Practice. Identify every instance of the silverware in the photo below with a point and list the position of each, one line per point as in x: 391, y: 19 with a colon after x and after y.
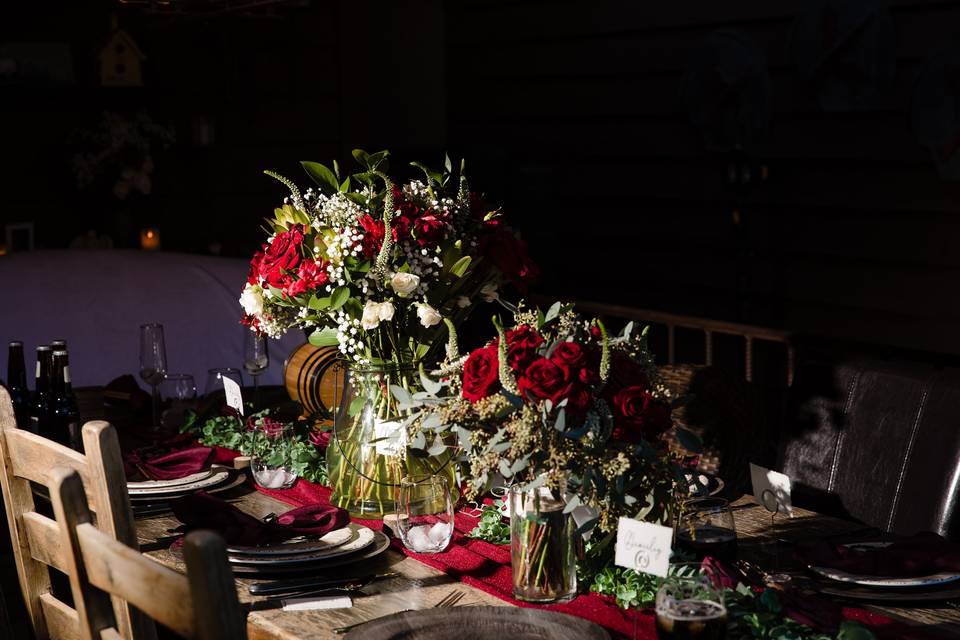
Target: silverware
x: 449, y: 600
x: 278, y: 587
x: 278, y: 602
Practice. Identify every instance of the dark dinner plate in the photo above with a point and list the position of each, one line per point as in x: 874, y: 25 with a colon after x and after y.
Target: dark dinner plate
x: 379, y: 545
x: 479, y: 623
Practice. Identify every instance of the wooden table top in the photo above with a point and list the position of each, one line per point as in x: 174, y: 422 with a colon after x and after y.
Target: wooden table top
x: 420, y: 587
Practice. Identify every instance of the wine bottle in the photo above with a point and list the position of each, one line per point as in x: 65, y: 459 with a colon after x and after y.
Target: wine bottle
x: 64, y: 424
x: 59, y: 345
x: 17, y: 384
x: 40, y: 406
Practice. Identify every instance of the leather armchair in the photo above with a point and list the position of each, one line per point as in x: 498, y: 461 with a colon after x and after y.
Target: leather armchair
x: 877, y: 441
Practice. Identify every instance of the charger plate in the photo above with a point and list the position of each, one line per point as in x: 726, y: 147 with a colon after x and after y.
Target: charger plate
x: 219, y: 476
x: 479, y: 623
x: 147, y: 485
x: 298, y: 546
x: 361, y: 538
x: 380, y: 544
x: 886, y: 582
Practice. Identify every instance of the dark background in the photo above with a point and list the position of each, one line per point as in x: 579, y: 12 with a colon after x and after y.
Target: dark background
x: 571, y: 114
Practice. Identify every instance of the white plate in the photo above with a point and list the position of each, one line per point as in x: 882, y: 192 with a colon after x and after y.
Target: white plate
x: 942, y: 577
x: 380, y: 544
x: 168, y: 484
x: 330, y: 540
x: 217, y: 477
x: 363, y: 539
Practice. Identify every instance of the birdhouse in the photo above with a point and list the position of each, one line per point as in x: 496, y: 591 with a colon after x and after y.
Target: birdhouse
x: 120, y: 61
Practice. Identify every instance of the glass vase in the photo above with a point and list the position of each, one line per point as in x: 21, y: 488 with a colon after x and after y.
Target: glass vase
x: 544, y: 545
x: 368, y: 455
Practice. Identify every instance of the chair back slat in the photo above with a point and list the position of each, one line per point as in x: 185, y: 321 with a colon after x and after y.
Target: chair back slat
x: 62, y: 621
x: 203, y: 604
x: 43, y: 538
x: 26, y: 457
x: 160, y: 592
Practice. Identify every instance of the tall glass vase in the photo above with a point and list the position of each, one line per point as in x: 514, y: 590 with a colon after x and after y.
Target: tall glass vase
x: 544, y: 544
x: 368, y: 455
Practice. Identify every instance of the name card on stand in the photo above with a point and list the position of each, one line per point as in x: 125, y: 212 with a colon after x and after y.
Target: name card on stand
x: 771, y: 489
x: 232, y: 391
x: 643, y: 547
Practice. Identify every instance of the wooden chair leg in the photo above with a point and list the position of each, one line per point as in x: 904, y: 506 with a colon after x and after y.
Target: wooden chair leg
x: 209, y: 574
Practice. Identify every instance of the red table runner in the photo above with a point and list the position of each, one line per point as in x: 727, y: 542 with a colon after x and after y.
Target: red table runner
x: 486, y: 566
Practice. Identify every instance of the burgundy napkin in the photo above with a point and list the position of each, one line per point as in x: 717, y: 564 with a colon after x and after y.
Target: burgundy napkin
x: 170, y: 466
x: 918, y: 555
x: 313, y: 520
x: 201, y: 510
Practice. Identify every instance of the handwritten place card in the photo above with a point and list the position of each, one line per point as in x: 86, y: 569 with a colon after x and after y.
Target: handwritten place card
x: 232, y: 390
x: 771, y: 489
x: 643, y: 547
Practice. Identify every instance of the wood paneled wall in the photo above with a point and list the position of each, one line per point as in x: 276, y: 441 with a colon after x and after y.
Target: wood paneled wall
x: 570, y: 112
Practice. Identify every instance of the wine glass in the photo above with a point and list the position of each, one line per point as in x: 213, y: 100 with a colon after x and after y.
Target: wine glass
x: 705, y: 527
x: 153, y: 363
x: 690, y: 604
x: 178, y: 393
x: 215, y: 378
x: 255, y: 360
x: 425, y: 513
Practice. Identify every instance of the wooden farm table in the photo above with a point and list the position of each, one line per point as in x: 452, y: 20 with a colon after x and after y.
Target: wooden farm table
x: 420, y: 587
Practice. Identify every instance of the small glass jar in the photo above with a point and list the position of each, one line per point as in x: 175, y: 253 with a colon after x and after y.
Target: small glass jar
x: 544, y: 544
x: 425, y: 513
x: 270, y: 445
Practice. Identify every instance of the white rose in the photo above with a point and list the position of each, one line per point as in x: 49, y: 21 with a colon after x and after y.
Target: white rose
x: 489, y: 292
x: 385, y: 311
x: 404, y: 283
x: 463, y: 302
x: 428, y: 315
x: 251, y: 299
x: 371, y: 315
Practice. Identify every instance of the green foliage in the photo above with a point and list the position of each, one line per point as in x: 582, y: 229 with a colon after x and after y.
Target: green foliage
x: 491, y: 526
x: 631, y: 589
x: 297, y: 454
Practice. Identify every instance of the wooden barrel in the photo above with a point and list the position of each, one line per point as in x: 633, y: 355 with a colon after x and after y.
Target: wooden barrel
x: 313, y: 376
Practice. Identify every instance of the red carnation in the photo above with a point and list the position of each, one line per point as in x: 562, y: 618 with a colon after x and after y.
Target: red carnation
x: 253, y: 275
x: 373, y: 233
x: 637, y: 414
x: 310, y: 276
x: 509, y: 254
x: 481, y: 377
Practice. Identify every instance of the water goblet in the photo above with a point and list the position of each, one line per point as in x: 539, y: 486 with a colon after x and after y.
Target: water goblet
x: 153, y: 363
x: 178, y: 394
x: 256, y: 359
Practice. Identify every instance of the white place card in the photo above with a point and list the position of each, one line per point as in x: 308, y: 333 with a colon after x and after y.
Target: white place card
x: 643, y: 547
x: 232, y: 390
x: 771, y: 489
x: 312, y: 604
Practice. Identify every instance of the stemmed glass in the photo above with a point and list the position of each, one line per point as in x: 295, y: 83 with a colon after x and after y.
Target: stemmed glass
x: 215, y: 378
x: 153, y: 363
x: 255, y: 360
x: 705, y: 527
x: 178, y: 393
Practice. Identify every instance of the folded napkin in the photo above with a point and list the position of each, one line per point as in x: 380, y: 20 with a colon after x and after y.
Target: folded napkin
x: 203, y: 511
x: 169, y: 466
x: 918, y: 555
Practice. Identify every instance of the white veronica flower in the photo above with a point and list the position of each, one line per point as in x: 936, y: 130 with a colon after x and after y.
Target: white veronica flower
x: 251, y: 299
x: 428, y: 315
x: 404, y: 283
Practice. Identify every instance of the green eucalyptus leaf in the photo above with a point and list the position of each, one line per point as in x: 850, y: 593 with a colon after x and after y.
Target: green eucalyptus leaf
x: 339, y: 296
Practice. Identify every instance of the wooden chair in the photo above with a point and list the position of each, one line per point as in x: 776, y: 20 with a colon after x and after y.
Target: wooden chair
x: 25, y: 458
x: 203, y: 604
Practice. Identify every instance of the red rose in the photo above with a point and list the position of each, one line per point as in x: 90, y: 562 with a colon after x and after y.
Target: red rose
x: 320, y: 439
x: 481, y: 377
x: 578, y: 401
x: 281, y: 256
x: 429, y: 229
x: 568, y: 356
x: 253, y: 275
x: 311, y: 275
x: 544, y: 380
x: 509, y: 254
x: 624, y: 372
x: 636, y: 413
x: 522, y: 345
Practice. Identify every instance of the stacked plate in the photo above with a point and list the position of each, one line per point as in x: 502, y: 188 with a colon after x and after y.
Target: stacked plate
x: 943, y: 585
x: 155, y: 495
x: 353, y: 543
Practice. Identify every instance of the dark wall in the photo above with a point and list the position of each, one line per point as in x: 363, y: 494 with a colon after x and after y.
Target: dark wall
x: 574, y: 111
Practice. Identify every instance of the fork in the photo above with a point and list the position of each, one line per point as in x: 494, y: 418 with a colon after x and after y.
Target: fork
x: 449, y: 600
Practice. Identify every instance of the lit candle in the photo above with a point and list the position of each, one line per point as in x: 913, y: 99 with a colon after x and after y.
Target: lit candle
x: 150, y: 239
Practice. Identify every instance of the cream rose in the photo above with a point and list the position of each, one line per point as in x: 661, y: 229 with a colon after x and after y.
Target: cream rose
x: 404, y: 283
x: 371, y: 315
x: 385, y: 311
x: 251, y: 299
x: 428, y: 315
